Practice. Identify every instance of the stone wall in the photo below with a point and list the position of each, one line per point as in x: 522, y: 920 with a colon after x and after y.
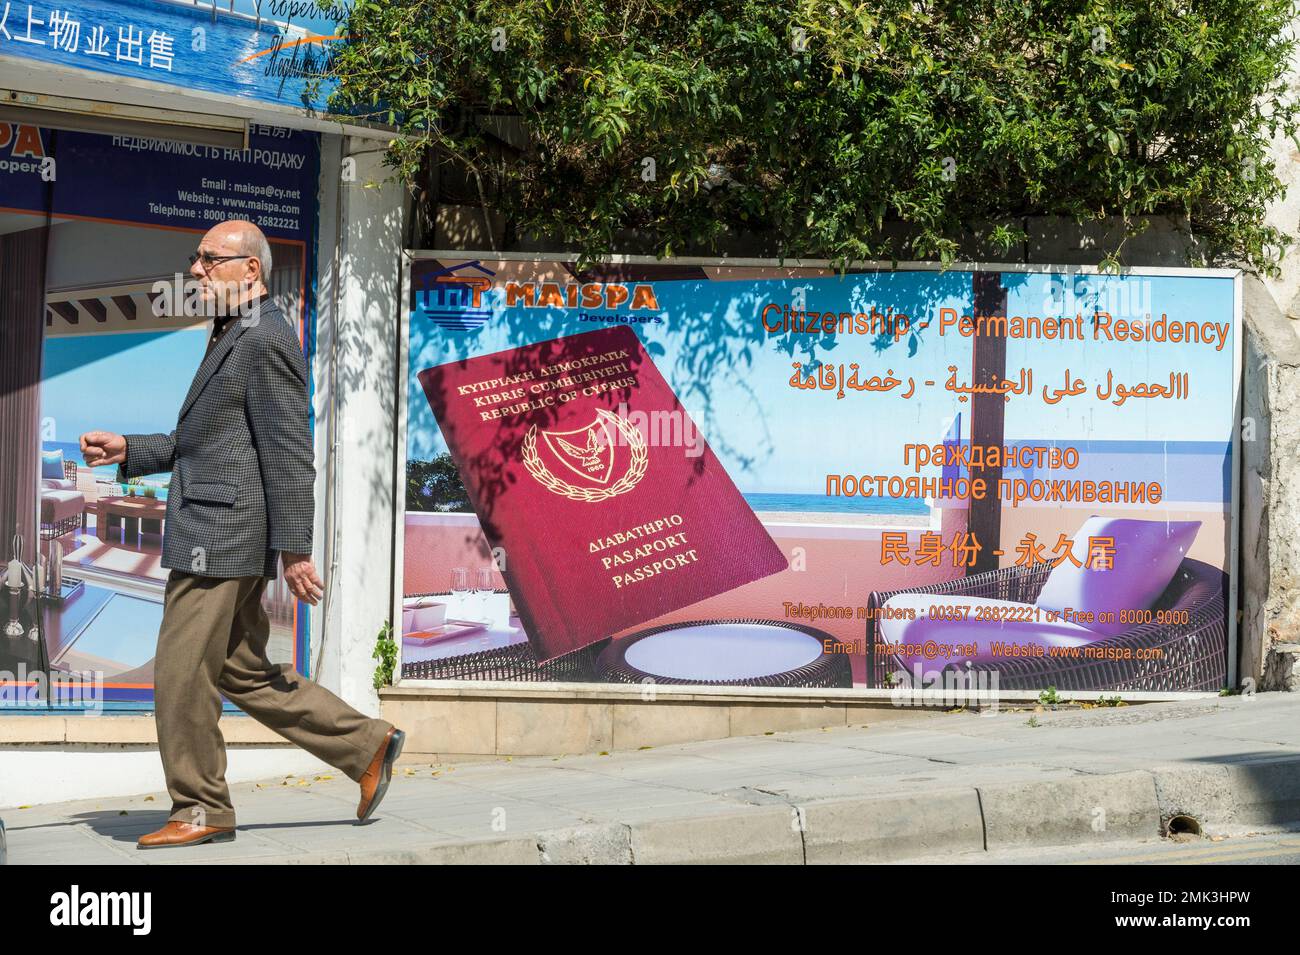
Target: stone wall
x: 1269, y: 588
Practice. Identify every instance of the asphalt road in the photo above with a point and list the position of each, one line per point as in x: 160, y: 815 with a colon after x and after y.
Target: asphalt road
x: 1246, y: 849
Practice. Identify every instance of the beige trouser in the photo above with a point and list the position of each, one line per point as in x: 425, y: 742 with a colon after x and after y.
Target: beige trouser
x: 212, y: 642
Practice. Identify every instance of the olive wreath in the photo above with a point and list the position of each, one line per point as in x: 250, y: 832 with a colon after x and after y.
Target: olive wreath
x: 640, y: 459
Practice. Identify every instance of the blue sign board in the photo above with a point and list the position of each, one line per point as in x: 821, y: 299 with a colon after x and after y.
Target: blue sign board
x: 161, y: 182
x: 264, y: 50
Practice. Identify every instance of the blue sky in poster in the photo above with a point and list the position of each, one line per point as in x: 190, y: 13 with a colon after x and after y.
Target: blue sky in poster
x: 733, y: 377
x: 80, y: 367
x: 770, y: 437
x: 1206, y: 414
x: 180, y: 44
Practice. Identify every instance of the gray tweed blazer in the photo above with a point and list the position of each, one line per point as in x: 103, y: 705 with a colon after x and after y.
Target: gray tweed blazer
x: 241, y: 455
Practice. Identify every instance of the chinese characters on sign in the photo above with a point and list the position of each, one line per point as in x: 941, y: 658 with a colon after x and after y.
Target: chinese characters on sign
x: 61, y: 31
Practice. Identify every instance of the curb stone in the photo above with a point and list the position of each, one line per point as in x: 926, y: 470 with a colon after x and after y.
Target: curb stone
x: 1076, y: 811
x: 892, y: 828
x: 609, y: 844
x: 1203, y: 792
x: 761, y: 835
x: 1267, y: 792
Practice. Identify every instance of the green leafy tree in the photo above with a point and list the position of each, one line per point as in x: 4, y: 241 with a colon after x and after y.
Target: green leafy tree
x: 435, y: 486
x: 832, y: 128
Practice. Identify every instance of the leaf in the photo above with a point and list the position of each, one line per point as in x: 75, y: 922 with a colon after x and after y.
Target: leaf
x: 850, y: 128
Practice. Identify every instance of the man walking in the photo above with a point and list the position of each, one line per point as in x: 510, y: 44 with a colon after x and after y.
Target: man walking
x: 239, y: 504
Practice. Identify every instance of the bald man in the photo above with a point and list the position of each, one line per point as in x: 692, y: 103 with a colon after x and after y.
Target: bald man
x: 239, y: 510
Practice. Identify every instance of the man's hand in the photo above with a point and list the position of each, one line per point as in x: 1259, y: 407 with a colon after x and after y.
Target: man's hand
x: 300, y: 574
x: 103, y: 447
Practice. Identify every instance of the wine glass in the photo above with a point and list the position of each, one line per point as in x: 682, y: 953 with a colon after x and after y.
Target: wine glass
x: 483, y: 589
x: 459, y: 587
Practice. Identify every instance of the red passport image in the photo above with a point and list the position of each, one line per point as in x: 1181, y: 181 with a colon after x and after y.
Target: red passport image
x: 584, y: 468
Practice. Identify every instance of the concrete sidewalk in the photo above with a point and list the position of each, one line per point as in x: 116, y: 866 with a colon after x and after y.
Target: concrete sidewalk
x: 930, y: 787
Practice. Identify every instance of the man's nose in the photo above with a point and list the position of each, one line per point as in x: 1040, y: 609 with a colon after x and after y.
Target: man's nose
x: 196, y: 269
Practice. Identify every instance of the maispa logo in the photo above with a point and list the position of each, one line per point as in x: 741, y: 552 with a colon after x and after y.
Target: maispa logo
x: 455, y: 297
x: 22, y: 151
x: 452, y: 298
x: 22, y: 141
x: 587, y: 453
x: 585, y: 295
x: 75, y: 907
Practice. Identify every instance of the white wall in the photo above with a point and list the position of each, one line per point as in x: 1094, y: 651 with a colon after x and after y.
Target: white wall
x: 356, y: 366
x: 40, y: 774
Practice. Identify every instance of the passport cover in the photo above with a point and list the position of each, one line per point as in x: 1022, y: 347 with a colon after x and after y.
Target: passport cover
x: 580, y: 463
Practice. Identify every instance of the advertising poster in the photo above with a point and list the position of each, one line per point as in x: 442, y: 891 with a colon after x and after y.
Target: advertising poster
x: 751, y: 475
x: 265, y: 50
x: 95, y: 237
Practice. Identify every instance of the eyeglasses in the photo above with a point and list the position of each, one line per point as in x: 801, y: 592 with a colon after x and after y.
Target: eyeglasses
x: 209, y: 260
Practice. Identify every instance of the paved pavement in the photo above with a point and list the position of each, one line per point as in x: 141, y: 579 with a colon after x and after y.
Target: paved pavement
x: 938, y: 787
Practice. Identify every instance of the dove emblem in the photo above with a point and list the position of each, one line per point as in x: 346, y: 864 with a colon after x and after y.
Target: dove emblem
x: 589, y: 453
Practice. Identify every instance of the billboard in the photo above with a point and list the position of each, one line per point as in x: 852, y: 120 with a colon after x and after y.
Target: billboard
x: 263, y: 50
x: 95, y: 237
x: 736, y: 473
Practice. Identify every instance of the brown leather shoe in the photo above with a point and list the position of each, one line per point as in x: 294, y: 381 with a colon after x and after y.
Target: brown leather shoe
x: 374, y: 783
x: 184, y: 834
